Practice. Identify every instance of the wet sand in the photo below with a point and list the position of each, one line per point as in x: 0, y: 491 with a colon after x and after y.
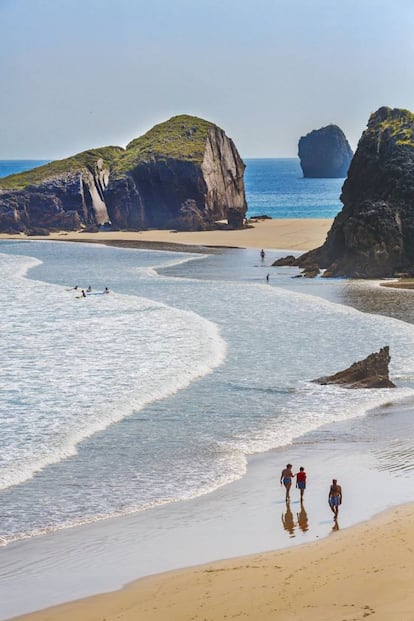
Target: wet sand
x: 357, y: 574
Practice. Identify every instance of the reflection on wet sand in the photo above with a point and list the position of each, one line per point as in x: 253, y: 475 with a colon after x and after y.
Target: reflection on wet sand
x: 289, y: 523
x: 287, y: 520
x: 303, y: 519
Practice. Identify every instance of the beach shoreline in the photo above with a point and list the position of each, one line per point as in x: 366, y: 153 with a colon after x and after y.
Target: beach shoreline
x: 373, y: 557
x: 356, y: 573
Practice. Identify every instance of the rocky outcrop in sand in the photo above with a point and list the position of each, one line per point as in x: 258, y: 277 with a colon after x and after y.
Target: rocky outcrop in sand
x: 325, y: 152
x: 184, y: 174
x: 372, y: 372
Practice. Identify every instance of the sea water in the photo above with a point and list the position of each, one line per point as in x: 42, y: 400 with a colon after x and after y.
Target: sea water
x: 277, y: 188
x: 10, y: 167
x: 159, y: 391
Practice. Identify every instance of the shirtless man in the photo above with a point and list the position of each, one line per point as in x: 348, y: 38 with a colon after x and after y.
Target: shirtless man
x: 286, y: 479
x: 335, y: 498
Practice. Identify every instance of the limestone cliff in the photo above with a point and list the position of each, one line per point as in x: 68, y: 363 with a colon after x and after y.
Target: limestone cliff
x: 184, y: 173
x: 373, y: 235
x: 325, y: 152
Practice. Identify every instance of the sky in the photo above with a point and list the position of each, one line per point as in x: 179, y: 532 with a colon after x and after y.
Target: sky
x: 79, y: 74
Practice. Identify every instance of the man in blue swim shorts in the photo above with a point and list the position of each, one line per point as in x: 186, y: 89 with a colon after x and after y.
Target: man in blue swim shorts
x: 335, y: 498
x: 301, y: 481
x: 286, y: 479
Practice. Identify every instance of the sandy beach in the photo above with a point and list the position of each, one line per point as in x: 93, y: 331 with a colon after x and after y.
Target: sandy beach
x: 289, y: 234
x: 360, y: 572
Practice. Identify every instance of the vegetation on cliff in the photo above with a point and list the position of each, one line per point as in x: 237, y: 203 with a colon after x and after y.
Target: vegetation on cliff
x: 395, y: 123
x: 181, y: 138
x: 85, y: 160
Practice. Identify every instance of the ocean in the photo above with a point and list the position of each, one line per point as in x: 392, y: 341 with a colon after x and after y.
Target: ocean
x: 11, y: 167
x: 163, y: 390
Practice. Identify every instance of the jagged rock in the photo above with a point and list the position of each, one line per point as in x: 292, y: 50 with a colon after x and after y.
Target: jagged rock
x: 310, y: 271
x: 372, y: 372
x: 285, y: 261
x: 373, y: 235
x: 325, y: 152
x: 184, y: 173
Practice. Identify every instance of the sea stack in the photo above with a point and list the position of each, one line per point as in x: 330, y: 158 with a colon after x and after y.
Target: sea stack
x: 325, y: 153
x: 184, y: 173
x: 373, y: 235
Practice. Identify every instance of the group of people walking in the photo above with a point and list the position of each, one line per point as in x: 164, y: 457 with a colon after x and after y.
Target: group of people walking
x: 335, y: 490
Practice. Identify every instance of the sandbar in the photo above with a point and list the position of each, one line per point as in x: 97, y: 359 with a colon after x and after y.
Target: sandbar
x: 283, y: 234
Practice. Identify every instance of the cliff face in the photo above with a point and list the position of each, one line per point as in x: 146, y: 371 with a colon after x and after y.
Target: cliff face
x: 373, y: 235
x: 184, y: 173
x: 325, y: 153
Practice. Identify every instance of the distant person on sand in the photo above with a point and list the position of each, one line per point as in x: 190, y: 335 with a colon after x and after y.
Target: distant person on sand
x: 335, y: 498
x: 262, y: 254
x: 286, y: 479
x: 301, y: 481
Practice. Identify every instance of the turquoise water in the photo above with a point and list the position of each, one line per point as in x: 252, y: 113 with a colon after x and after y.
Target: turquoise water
x: 10, y: 167
x: 159, y: 391
x: 276, y: 187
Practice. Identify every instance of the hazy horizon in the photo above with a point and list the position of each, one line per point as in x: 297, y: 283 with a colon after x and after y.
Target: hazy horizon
x: 83, y: 74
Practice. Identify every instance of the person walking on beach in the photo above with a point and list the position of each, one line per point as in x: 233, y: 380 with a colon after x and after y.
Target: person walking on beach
x: 262, y: 254
x: 301, y: 481
x: 335, y: 498
x: 286, y: 479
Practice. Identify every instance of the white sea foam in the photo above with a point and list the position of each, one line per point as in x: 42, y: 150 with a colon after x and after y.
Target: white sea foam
x: 100, y: 359
x: 72, y: 366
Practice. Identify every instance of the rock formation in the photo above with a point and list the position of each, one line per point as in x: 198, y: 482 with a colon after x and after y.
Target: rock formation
x: 373, y: 235
x: 325, y: 152
x: 369, y: 373
x: 184, y: 173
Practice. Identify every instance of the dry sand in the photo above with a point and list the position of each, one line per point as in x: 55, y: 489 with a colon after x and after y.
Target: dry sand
x: 292, y: 234
x: 361, y: 572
